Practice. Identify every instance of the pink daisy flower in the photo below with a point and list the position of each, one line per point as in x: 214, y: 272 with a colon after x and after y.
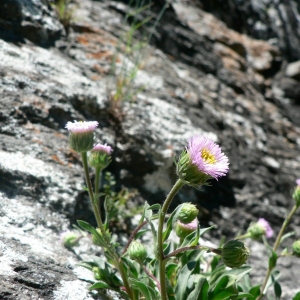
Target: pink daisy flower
x: 208, y: 157
x: 102, y: 148
x: 202, y: 160
x: 81, y: 138
x: 266, y: 226
x: 81, y: 127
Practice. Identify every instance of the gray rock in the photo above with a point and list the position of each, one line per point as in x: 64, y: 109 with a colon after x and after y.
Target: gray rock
x: 293, y: 70
x: 34, y: 20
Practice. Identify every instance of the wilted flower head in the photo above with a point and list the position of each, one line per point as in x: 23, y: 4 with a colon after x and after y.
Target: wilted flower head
x: 296, y: 194
x: 100, y: 156
x: 81, y: 137
x: 201, y: 160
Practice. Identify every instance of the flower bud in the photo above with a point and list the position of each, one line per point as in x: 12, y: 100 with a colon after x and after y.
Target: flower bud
x: 182, y: 230
x: 97, y: 273
x: 234, y: 254
x: 137, y: 251
x: 100, y: 156
x: 296, y: 248
x: 70, y: 239
x: 257, y: 230
x: 200, y: 161
x: 81, y: 138
x: 188, y: 213
x: 296, y: 194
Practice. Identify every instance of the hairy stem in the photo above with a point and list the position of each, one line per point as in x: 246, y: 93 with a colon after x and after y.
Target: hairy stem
x: 118, y: 262
x: 90, y: 189
x: 98, y: 176
x: 160, y: 255
x: 275, y: 247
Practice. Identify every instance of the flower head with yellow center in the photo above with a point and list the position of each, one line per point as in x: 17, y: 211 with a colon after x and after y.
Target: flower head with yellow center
x: 200, y: 161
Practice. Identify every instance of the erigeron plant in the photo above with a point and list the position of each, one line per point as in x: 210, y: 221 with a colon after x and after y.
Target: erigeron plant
x: 173, y: 270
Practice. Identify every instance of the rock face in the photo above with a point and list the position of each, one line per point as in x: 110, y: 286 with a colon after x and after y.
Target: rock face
x: 203, y: 74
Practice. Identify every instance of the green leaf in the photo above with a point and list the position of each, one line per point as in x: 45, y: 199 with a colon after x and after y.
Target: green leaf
x: 182, y: 280
x: 99, y: 285
x: 203, y: 230
x: 255, y: 291
x: 277, y: 290
x: 170, y: 269
x: 223, y: 295
x: 148, y: 216
x: 155, y: 207
x: 200, y: 292
x: 140, y: 233
x: 170, y: 223
x: 244, y: 295
x: 285, y: 236
x: 272, y: 279
x: 220, y: 284
x: 297, y: 296
x: 235, y: 275
x: 86, y: 226
x: 273, y: 260
x: 131, y: 266
x: 145, y: 290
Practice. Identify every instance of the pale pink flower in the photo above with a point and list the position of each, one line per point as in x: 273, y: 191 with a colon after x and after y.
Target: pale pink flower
x: 207, y: 157
x: 82, y: 126
x: 265, y: 224
x: 102, y: 148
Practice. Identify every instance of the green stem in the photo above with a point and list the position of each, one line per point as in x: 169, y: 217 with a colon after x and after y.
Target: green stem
x: 98, y: 176
x: 118, y: 261
x: 160, y: 255
x: 90, y: 189
x: 189, y: 248
x: 243, y: 236
x: 276, y: 245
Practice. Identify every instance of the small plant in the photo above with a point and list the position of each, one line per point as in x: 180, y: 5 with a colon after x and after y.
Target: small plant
x: 168, y: 268
x: 64, y: 12
x: 129, y: 57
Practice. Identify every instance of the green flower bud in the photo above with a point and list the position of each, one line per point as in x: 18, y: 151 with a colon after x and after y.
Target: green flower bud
x: 97, y: 273
x: 70, y: 239
x: 296, y: 248
x: 234, y: 254
x: 137, y: 251
x: 95, y: 239
x: 182, y: 230
x: 260, y: 228
x: 188, y: 213
x: 100, y: 156
x: 296, y: 194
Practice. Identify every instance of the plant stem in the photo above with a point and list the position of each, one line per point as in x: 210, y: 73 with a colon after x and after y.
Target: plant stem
x: 134, y: 232
x: 98, y: 176
x: 160, y: 255
x: 188, y: 248
x: 90, y: 189
x: 276, y: 245
x: 118, y: 261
